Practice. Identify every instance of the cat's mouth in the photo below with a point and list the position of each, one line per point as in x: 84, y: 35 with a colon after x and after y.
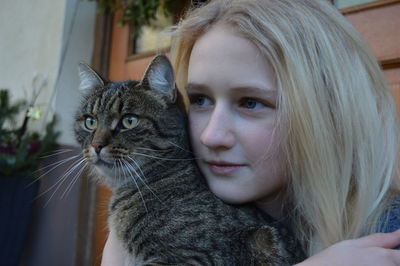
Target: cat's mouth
x: 102, y: 162
x: 104, y: 159
x: 116, y: 169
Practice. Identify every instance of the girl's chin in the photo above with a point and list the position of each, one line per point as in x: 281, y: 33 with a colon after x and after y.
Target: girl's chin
x: 229, y: 194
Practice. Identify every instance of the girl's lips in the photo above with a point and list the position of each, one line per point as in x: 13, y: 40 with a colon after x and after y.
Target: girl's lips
x: 221, y: 168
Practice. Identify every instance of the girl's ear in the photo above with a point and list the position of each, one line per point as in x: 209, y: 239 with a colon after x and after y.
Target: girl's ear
x: 159, y: 76
x: 88, y: 77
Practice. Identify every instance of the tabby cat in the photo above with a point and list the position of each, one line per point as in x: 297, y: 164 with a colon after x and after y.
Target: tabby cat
x: 134, y: 135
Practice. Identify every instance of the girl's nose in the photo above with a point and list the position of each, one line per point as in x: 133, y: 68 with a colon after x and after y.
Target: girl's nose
x: 219, y: 130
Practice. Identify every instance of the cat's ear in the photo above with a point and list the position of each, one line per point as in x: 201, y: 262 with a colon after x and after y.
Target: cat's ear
x: 88, y: 77
x: 159, y: 76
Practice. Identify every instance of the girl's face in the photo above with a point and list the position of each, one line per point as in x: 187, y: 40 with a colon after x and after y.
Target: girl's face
x: 232, y: 116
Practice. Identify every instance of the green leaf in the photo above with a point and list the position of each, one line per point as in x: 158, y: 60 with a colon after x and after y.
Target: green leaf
x: 138, y: 12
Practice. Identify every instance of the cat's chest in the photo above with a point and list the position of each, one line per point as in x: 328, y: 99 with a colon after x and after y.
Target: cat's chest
x: 134, y: 213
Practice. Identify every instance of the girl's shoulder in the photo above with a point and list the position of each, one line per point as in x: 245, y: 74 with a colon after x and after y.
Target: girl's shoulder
x: 392, y: 217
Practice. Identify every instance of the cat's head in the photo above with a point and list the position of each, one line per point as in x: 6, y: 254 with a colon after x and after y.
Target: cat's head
x: 122, y: 126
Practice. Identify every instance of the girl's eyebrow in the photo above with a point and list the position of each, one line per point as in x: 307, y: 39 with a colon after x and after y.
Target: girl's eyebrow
x: 254, y: 90
x: 196, y: 86
x: 236, y: 89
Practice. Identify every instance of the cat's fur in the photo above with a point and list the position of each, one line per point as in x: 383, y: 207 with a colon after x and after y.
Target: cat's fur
x: 161, y: 208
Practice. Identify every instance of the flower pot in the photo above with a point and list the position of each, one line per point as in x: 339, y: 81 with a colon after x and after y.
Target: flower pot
x: 17, y: 195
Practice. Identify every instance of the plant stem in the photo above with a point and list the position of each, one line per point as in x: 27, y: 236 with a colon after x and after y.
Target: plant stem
x: 22, y: 130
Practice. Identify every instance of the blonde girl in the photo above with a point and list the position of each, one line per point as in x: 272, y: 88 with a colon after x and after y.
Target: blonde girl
x: 289, y: 109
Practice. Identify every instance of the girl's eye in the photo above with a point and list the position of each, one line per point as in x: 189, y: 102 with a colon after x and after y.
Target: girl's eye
x: 129, y: 122
x: 199, y: 100
x: 249, y: 103
x: 90, y: 123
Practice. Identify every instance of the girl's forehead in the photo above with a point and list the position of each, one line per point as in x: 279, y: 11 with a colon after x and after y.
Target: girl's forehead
x: 221, y: 57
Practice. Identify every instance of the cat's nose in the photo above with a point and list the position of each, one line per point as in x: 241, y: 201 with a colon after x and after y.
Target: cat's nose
x: 98, y: 146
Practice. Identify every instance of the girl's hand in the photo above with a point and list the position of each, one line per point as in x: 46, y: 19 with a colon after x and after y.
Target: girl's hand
x: 375, y: 249
x: 113, y: 253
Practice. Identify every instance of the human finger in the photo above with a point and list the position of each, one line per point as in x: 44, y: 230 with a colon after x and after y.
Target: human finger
x: 383, y: 240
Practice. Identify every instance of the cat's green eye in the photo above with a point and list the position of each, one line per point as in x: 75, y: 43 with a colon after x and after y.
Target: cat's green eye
x: 129, y: 122
x: 90, y: 123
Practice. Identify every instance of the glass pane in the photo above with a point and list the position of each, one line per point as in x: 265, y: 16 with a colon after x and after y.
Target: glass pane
x: 348, y: 3
x: 154, y: 37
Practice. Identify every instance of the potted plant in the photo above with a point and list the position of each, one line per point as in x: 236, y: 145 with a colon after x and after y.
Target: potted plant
x: 21, y: 151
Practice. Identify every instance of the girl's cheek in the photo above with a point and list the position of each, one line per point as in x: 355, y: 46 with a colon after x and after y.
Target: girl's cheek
x: 194, y: 128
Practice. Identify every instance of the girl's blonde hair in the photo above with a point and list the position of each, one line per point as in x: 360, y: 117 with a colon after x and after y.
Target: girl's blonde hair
x: 336, y: 114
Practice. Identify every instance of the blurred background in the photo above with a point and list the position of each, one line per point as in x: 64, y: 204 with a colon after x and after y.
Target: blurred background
x: 41, y: 44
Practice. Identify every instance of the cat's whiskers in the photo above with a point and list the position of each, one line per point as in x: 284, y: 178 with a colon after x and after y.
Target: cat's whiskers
x: 114, y: 169
x: 160, y: 158
x: 137, y: 165
x: 74, y: 179
x: 56, y: 152
x: 134, y: 180
x: 171, y: 149
x: 148, y: 149
x: 176, y: 145
x: 64, y: 177
x: 55, y: 165
x: 61, y: 180
x: 142, y: 179
x: 119, y: 170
